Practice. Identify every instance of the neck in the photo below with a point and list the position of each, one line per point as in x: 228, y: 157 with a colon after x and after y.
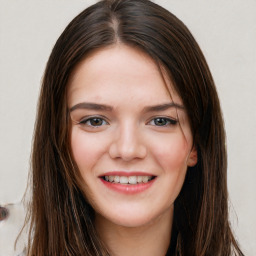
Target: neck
x: 151, y: 239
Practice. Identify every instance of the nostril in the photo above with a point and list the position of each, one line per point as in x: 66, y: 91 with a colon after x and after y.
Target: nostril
x: 3, y: 213
x: 127, y: 150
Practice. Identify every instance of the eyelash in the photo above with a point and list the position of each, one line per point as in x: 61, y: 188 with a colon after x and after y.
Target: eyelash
x: 167, y: 121
x: 85, y: 121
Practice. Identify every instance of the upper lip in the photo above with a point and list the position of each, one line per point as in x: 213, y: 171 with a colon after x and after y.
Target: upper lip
x: 126, y: 173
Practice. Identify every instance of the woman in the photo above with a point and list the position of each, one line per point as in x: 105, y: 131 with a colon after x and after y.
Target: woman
x: 129, y: 150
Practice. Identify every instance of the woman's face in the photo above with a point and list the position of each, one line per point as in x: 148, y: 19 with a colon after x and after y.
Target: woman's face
x: 130, y: 139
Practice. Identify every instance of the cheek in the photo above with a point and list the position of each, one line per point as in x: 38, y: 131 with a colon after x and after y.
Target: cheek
x: 172, y: 153
x: 86, y: 149
x: 172, y: 159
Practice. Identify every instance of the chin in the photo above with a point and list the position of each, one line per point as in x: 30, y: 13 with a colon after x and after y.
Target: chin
x: 133, y: 221
x: 132, y: 218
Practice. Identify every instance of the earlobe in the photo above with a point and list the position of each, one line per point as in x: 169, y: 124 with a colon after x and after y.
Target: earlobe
x: 192, y: 159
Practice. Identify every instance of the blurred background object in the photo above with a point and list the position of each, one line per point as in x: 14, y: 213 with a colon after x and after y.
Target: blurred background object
x: 11, y: 222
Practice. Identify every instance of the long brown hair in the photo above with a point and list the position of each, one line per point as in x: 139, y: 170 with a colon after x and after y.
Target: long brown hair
x: 61, y: 221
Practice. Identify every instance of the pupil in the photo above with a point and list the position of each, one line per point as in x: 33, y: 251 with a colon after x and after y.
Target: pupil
x: 96, y: 121
x: 160, y: 121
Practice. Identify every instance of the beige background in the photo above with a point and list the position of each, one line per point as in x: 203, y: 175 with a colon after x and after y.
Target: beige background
x: 226, y: 32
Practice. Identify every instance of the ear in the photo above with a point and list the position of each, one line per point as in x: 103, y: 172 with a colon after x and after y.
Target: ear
x: 192, y: 158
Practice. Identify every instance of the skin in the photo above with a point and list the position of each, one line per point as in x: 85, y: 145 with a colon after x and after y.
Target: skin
x: 127, y: 136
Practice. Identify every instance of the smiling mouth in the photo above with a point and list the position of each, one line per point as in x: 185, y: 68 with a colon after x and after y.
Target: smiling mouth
x: 128, y: 180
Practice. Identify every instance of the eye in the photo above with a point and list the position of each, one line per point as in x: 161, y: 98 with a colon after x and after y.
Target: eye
x: 94, y: 122
x: 163, y: 121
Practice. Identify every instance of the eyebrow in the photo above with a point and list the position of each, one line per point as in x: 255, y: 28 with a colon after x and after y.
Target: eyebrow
x: 163, y: 107
x: 96, y: 106
x: 92, y: 106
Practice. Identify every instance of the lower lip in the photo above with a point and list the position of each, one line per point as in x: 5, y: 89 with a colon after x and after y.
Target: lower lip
x: 128, y: 189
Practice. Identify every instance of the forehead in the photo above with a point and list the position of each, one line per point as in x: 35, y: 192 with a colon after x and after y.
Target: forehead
x: 120, y: 73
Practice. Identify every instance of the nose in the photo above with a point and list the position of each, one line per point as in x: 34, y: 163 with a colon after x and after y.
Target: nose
x: 128, y: 144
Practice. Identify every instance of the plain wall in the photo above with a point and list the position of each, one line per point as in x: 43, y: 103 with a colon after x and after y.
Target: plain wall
x: 226, y: 32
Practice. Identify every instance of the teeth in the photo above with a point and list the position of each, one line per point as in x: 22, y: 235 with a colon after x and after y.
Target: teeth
x: 145, y: 179
x: 128, y: 180
x: 139, y: 179
x: 132, y: 180
x: 111, y: 178
x: 124, y: 180
x: 116, y: 179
